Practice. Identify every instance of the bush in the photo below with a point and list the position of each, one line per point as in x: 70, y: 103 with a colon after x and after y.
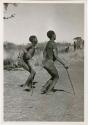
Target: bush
x: 9, y: 64
x: 8, y: 61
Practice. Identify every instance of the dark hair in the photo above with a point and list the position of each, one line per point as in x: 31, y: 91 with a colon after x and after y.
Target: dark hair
x: 32, y: 38
x: 50, y: 33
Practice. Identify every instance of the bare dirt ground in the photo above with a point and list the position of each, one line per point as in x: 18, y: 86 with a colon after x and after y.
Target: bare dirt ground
x: 19, y: 105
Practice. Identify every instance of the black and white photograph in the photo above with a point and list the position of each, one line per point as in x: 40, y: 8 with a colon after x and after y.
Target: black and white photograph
x: 43, y: 62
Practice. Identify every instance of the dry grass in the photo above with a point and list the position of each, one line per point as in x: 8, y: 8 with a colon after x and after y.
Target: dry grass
x: 19, y: 105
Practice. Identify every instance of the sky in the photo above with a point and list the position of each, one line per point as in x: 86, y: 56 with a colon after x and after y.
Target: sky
x: 67, y: 20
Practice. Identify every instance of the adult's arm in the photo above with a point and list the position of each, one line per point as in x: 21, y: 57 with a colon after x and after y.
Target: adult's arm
x: 55, y: 50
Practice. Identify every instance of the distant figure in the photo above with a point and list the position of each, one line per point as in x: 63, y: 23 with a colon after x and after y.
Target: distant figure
x: 74, y: 45
x: 82, y: 43
x: 25, y: 58
x: 67, y: 49
x: 50, y: 55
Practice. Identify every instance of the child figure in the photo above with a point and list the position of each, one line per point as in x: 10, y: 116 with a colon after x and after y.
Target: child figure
x: 25, y: 57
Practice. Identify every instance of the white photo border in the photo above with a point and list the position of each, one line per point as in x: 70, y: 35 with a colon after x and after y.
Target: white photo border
x: 85, y: 63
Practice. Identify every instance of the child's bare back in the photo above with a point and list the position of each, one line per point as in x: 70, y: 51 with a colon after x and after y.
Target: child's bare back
x: 29, y: 52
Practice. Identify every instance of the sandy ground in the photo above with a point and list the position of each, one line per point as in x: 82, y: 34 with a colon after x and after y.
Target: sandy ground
x: 19, y: 105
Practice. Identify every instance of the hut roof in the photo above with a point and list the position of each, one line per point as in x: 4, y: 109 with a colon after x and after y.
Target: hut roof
x: 77, y: 38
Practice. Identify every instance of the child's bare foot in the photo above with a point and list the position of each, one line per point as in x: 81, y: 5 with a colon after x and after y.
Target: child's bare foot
x: 27, y: 88
x: 22, y: 85
x: 43, y: 92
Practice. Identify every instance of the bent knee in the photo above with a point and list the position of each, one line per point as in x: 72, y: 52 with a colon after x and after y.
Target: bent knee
x: 56, y: 76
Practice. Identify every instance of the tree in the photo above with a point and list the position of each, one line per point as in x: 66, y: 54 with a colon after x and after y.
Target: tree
x: 6, y: 5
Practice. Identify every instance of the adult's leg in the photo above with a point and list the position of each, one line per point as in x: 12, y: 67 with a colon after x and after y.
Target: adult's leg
x: 46, y: 86
x: 49, y: 66
x: 55, y: 78
x: 54, y: 81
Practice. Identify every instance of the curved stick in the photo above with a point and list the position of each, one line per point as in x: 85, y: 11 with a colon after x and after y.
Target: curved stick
x: 70, y: 81
x: 31, y: 88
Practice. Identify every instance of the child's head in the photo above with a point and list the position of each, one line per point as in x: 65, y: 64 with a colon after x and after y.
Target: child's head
x: 33, y: 39
x: 51, y: 34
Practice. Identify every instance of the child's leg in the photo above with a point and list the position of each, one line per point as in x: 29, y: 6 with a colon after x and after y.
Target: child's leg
x: 31, y: 76
x: 27, y: 67
x: 24, y: 65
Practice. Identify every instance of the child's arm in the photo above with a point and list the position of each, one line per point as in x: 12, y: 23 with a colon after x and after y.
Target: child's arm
x: 24, y: 50
x: 27, y: 47
x: 21, y: 53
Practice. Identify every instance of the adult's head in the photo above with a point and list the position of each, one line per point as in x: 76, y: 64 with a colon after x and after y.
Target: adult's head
x: 51, y: 34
